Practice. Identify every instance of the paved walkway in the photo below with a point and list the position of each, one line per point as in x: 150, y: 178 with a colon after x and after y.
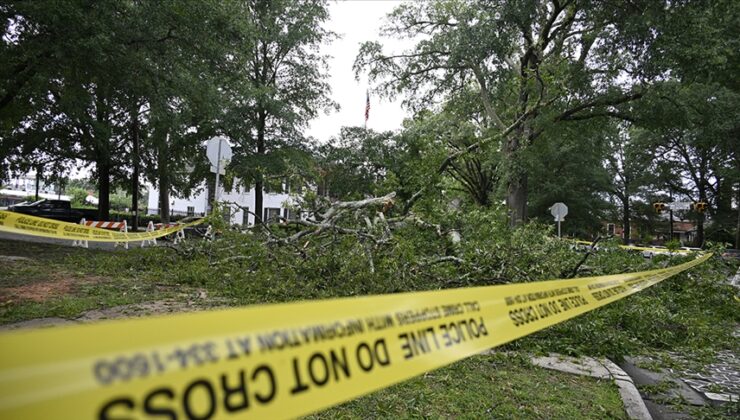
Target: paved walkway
x: 719, y: 381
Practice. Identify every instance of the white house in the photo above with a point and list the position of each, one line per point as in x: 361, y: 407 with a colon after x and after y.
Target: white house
x: 274, y: 204
x: 19, y: 187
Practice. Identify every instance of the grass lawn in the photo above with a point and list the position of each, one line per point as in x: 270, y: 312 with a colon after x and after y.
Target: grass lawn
x: 57, y: 281
x: 496, y: 386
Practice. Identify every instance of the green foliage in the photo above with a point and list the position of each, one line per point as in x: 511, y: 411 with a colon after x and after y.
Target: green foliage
x: 356, y: 163
x: 691, y: 313
x: 77, y: 196
x: 673, y: 244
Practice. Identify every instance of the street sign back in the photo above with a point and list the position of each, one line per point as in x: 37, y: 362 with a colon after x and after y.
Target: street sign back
x: 213, y: 152
x: 559, y: 211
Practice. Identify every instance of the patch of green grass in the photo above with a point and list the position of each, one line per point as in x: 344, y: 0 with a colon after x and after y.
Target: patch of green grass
x: 93, y: 279
x: 491, y: 386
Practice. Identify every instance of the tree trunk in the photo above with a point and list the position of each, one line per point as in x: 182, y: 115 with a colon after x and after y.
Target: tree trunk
x: 517, y: 189
x: 626, y: 216
x: 258, y: 201
x: 700, y: 217
x: 737, y: 227
x: 135, y: 176
x: 516, y: 199
x: 258, y: 185
x: 700, y: 230
x: 103, y: 189
x: 38, y: 180
x: 164, y: 181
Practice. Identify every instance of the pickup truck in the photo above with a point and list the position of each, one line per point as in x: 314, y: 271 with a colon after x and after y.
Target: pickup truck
x: 50, y: 209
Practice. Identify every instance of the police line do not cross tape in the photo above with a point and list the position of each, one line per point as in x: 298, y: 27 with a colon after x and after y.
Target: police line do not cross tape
x: 280, y: 360
x: 24, y: 224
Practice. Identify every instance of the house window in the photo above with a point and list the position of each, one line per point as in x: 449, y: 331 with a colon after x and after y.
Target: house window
x: 291, y: 214
x: 271, y: 214
x: 227, y: 215
x: 245, y: 216
x: 610, y: 229
x: 191, y: 210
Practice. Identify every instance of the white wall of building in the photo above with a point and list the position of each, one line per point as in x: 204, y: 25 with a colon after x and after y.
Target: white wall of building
x: 197, y: 203
x: 27, y: 184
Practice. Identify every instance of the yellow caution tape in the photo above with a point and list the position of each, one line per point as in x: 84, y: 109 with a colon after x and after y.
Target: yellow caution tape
x: 24, y: 224
x: 641, y: 248
x: 284, y: 360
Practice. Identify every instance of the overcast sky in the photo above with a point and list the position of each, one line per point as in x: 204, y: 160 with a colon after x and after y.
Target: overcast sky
x: 356, y: 21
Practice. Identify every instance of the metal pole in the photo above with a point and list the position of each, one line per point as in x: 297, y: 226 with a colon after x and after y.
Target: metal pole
x: 218, y: 171
x: 558, y: 228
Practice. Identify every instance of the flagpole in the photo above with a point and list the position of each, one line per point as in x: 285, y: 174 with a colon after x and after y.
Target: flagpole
x: 367, y: 106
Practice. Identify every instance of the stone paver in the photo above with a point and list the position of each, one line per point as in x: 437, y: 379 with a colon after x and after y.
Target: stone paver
x: 718, y: 381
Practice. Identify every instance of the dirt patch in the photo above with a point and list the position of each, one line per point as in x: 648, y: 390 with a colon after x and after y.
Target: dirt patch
x: 57, y: 286
x: 159, y: 307
x: 13, y: 258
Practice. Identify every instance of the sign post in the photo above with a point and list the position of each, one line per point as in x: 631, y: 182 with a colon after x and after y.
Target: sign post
x: 219, y: 154
x: 559, y: 211
x: 679, y: 205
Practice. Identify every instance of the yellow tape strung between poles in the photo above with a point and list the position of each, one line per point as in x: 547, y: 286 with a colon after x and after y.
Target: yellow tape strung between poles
x: 640, y: 248
x: 284, y: 360
x: 24, y: 224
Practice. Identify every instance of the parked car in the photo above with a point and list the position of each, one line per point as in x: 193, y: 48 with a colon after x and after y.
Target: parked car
x: 50, y: 209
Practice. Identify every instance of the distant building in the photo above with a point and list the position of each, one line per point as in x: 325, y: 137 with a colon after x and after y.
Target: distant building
x: 20, y: 187
x: 683, y: 231
x: 275, y: 204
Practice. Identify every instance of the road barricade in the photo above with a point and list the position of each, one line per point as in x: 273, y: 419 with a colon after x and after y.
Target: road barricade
x: 23, y: 224
x: 119, y: 226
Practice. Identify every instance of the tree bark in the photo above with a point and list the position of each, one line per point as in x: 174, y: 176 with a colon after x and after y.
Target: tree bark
x: 38, y: 180
x: 135, y: 176
x: 737, y: 227
x: 700, y: 230
x: 258, y: 185
x: 626, y: 216
x: 517, y: 189
x: 103, y: 165
x: 516, y: 199
x: 164, y: 180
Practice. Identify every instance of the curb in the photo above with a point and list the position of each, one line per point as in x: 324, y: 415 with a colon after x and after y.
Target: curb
x: 602, y: 369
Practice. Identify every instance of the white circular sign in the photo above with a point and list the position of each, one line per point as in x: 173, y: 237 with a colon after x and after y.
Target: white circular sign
x: 559, y: 211
x: 215, y: 145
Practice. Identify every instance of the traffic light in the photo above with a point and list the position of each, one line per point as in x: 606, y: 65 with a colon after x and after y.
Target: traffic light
x: 659, y: 207
x: 700, y: 207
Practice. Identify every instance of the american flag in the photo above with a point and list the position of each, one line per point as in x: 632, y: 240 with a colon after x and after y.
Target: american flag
x: 367, y: 106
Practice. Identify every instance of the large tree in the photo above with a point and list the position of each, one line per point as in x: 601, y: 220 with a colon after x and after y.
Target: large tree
x: 628, y: 162
x: 86, y: 74
x: 280, y: 86
x: 534, y: 65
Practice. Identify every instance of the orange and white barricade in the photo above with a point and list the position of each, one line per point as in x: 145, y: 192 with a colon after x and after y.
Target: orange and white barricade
x: 120, y: 226
x: 153, y: 241
x: 179, y: 235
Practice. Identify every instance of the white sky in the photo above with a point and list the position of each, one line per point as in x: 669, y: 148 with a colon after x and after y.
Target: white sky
x: 356, y: 21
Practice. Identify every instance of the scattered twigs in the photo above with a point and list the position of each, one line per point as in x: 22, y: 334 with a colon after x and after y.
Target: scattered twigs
x: 447, y: 258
